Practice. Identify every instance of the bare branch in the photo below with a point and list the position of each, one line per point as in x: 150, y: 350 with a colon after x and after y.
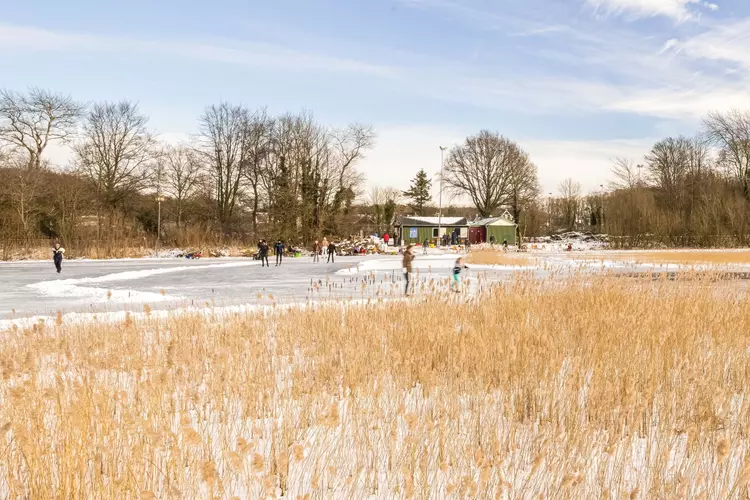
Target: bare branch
x: 31, y: 121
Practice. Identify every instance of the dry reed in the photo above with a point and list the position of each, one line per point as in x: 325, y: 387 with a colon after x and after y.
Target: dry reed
x: 604, y: 387
x: 497, y: 257
x: 707, y: 257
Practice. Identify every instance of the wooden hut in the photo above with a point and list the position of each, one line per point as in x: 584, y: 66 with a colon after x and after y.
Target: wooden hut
x: 415, y: 229
x: 501, y: 228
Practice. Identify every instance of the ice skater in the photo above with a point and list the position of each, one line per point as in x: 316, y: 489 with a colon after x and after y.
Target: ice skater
x: 331, y: 253
x: 316, y: 251
x: 57, y: 257
x: 263, y: 252
x: 407, y: 264
x: 457, y: 268
x: 279, y: 250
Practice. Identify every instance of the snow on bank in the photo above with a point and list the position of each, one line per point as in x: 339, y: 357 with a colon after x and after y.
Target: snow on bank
x: 73, y: 288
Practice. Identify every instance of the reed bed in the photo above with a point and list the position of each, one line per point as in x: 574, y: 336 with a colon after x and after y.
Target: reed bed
x: 601, y: 388
x: 497, y: 257
x: 707, y: 257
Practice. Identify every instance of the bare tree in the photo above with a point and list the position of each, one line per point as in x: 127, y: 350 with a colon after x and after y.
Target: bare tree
x: 570, y: 196
x: 31, y: 121
x: 312, y: 177
x: 626, y: 173
x: 258, y: 145
x: 115, y: 151
x: 523, y: 188
x: 730, y: 132
x: 673, y: 160
x: 490, y: 169
x: 25, y: 187
x: 182, y: 172
x: 223, y: 138
x: 383, y: 202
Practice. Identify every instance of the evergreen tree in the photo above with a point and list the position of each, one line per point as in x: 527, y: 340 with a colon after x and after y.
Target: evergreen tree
x: 419, y: 192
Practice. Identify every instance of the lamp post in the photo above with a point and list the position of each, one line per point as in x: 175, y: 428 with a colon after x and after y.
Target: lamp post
x: 440, y: 196
x: 601, y: 209
x: 159, y: 199
x: 549, y: 214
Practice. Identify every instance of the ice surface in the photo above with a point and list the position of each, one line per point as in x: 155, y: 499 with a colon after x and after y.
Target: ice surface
x: 89, y: 287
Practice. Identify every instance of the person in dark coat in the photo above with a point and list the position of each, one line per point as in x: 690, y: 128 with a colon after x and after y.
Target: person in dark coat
x: 263, y: 251
x: 279, y: 250
x: 331, y: 252
x: 57, y: 257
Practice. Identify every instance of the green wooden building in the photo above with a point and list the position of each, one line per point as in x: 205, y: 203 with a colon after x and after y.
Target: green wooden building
x: 501, y: 228
x: 415, y: 229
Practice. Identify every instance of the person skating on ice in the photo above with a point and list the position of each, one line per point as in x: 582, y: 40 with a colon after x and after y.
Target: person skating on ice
x: 457, y: 268
x: 331, y: 252
x: 316, y: 251
x: 279, y: 250
x: 263, y: 251
x: 57, y: 257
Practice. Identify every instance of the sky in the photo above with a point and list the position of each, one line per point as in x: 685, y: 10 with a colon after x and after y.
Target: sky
x: 576, y: 83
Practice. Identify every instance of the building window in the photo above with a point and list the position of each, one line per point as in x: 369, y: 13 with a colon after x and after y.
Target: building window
x: 435, y: 233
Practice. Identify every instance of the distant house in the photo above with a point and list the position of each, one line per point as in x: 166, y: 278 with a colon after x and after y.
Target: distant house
x: 501, y: 227
x: 415, y: 229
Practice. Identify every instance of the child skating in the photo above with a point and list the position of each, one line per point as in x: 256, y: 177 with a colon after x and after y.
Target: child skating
x: 457, y: 268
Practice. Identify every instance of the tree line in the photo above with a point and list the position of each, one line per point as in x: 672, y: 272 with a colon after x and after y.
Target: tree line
x: 685, y: 191
x: 244, y: 173
x: 247, y: 174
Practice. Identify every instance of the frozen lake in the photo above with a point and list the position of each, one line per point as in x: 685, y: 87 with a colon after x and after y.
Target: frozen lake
x: 32, y: 289
x: 86, y: 286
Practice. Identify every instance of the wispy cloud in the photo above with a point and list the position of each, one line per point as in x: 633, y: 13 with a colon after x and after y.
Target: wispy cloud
x: 262, y: 55
x: 604, y: 69
x: 679, y: 10
x: 726, y: 42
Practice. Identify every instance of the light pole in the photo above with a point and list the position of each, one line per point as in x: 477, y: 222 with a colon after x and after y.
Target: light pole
x: 440, y: 196
x: 549, y: 214
x: 601, y: 209
x: 159, y: 199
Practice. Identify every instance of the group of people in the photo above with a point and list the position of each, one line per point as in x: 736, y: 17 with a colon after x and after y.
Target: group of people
x: 493, y: 241
x: 264, y: 249
x: 324, y: 248
x: 408, y: 264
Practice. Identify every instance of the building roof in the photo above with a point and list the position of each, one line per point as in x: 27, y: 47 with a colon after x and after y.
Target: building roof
x: 493, y: 221
x: 433, y: 221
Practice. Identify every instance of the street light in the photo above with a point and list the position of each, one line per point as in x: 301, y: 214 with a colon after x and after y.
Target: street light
x: 159, y: 199
x: 440, y: 196
x: 601, y: 209
x: 549, y: 214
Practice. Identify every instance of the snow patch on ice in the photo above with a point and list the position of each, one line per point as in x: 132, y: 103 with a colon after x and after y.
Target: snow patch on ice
x: 72, y: 287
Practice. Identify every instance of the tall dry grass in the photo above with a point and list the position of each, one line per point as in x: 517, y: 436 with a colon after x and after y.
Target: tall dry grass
x: 710, y: 257
x: 497, y: 257
x: 601, y: 388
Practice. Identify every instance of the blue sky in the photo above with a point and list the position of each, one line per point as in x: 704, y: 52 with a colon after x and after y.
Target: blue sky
x: 575, y: 82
